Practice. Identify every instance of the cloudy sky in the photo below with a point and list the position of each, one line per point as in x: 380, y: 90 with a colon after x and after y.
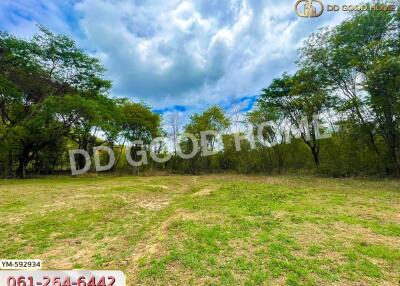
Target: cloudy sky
x: 176, y: 54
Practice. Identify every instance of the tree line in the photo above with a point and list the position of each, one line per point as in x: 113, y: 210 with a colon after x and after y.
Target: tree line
x: 54, y: 98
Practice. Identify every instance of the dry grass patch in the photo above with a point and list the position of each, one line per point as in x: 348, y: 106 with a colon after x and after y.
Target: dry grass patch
x: 209, y: 230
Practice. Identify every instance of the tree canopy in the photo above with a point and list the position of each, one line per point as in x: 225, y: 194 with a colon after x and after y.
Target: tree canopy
x: 54, y: 97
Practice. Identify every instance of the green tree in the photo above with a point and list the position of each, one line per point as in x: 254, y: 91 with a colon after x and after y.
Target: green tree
x: 212, y: 119
x: 297, y: 99
x: 345, y: 55
x: 383, y: 85
x: 137, y: 123
x: 48, y: 87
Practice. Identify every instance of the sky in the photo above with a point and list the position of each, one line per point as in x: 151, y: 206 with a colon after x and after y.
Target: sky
x: 178, y: 55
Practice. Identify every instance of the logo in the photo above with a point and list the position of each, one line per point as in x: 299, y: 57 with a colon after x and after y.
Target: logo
x: 315, y: 8
x: 307, y: 9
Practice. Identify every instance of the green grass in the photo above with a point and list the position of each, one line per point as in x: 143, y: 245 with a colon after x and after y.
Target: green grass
x: 208, y: 230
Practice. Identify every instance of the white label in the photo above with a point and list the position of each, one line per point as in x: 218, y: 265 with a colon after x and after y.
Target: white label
x: 20, y: 264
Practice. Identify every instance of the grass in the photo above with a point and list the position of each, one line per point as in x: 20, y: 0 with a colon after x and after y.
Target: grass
x: 208, y: 230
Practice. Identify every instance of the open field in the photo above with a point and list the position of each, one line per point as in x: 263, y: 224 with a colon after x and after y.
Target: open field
x: 208, y: 230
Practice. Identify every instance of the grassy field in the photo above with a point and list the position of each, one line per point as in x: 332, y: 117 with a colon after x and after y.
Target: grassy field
x: 208, y: 230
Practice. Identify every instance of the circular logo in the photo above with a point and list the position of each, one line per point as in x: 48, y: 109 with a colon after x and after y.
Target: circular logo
x: 309, y: 8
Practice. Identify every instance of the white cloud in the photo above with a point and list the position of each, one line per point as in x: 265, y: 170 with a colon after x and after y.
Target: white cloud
x: 177, y: 52
x: 194, y: 52
x: 20, y: 17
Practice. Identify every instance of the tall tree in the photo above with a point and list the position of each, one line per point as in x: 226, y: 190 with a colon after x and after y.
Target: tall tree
x: 345, y: 55
x: 383, y: 84
x: 48, y: 87
x: 138, y: 123
x: 212, y: 119
x: 298, y: 98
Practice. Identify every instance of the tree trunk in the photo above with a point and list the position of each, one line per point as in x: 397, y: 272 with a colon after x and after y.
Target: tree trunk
x: 315, y: 153
x: 23, y: 161
x: 10, y: 165
x: 21, y: 170
x: 393, y: 154
x: 316, y: 159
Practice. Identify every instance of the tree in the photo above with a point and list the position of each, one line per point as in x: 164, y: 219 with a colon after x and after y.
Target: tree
x: 212, y: 119
x: 48, y: 87
x: 138, y: 123
x: 297, y: 99
x: 345, y: 55
x: 383, y: 85
x: 266, y: 113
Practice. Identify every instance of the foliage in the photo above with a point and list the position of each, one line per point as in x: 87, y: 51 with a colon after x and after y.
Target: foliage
x: 51, y: 93
x: 349, y: 74
x: 53, y: 98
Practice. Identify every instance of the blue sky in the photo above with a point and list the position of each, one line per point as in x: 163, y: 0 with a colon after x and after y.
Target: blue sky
x: 178, y: 55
